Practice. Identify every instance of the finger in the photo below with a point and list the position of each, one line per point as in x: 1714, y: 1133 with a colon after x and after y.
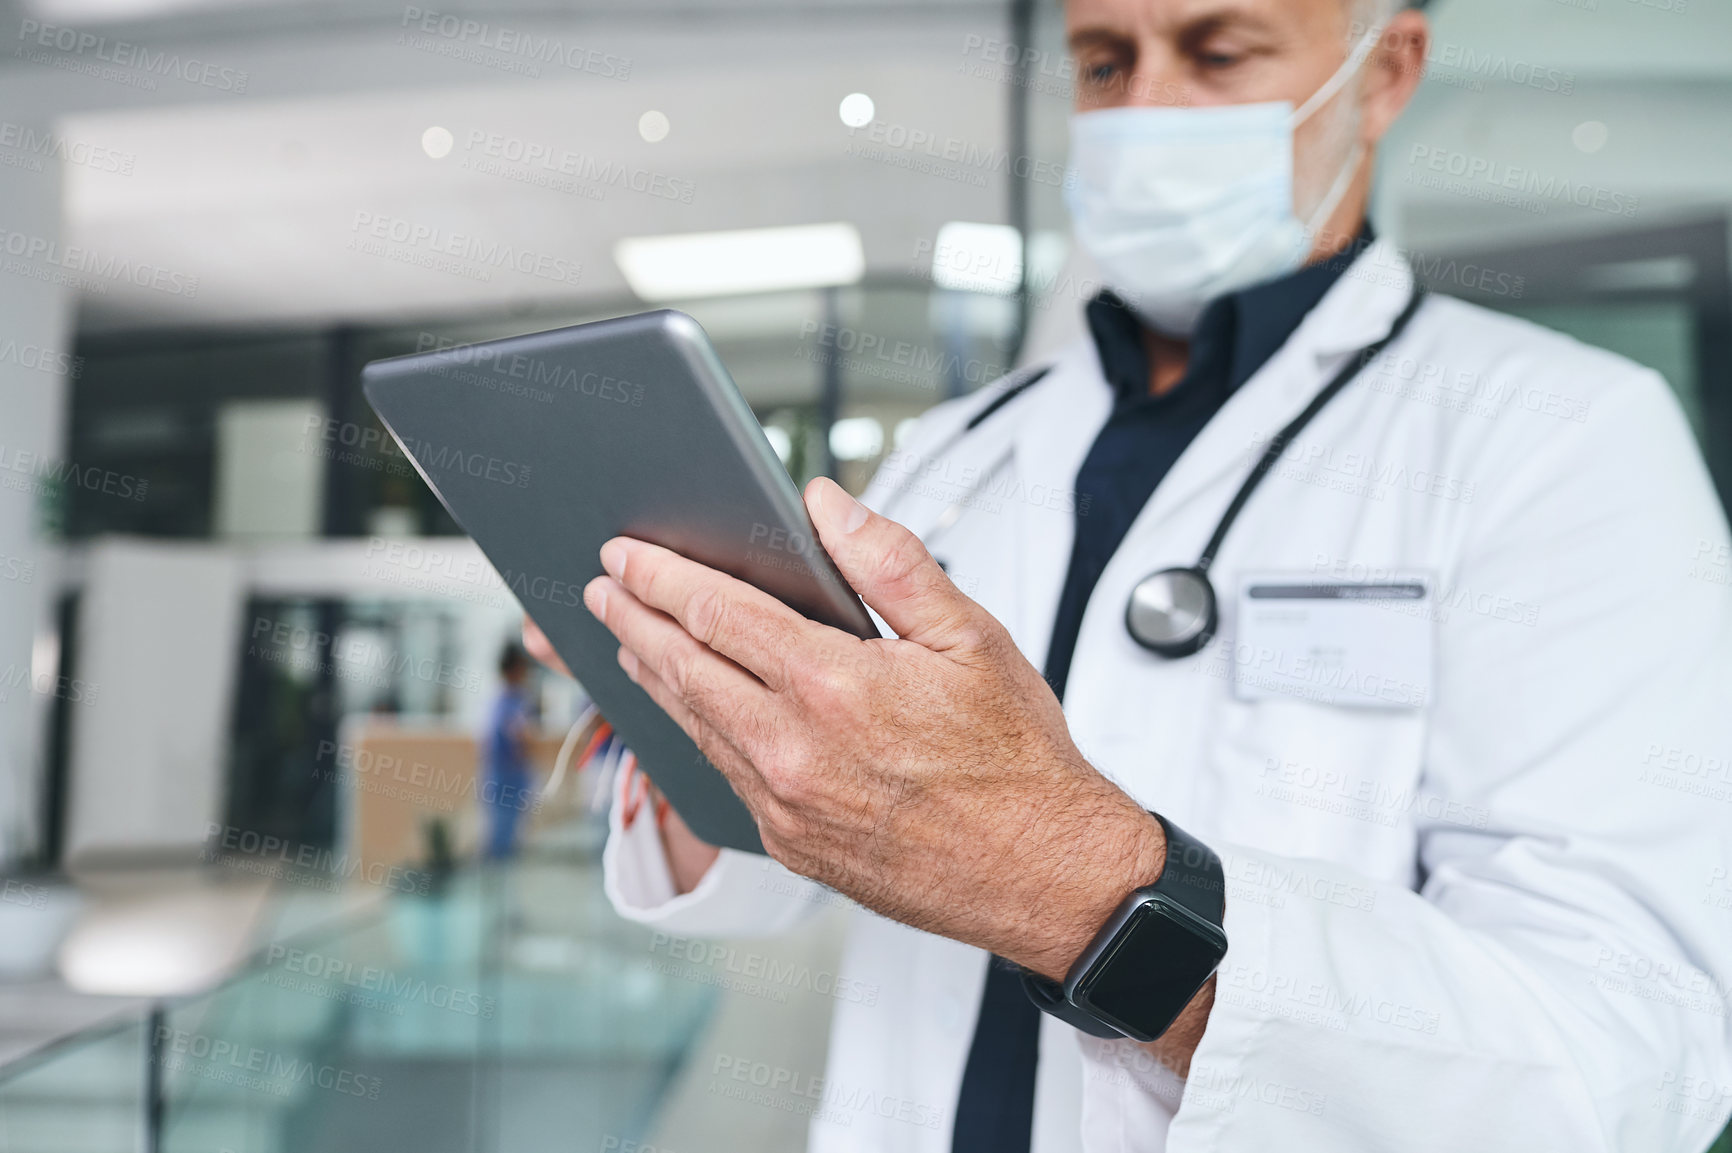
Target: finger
x: 892, y: 571
x: 709, y: 684
x: 713, y: 742
x: 535, y: 642
x: 749, y: 627
x: 699, y: 730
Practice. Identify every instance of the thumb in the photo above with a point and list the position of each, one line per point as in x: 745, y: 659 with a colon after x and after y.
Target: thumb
x: 891, y: 570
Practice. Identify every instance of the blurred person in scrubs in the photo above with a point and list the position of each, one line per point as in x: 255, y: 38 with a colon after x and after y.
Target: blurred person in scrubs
x: 505, y: 777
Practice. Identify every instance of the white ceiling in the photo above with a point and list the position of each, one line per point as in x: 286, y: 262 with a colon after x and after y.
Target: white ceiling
x: 258, y: 195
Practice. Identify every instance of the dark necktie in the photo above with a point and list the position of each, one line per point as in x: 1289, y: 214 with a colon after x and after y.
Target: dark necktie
x: 995, y: 1111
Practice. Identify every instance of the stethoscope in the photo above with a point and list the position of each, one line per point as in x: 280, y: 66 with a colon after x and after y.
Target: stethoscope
x: 1174, y: 612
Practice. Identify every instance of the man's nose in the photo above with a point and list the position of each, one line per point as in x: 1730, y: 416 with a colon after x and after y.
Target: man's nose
x: 1157, y: 87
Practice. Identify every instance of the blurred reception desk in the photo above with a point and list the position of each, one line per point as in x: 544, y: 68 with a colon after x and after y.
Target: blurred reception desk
x: 399, y: 782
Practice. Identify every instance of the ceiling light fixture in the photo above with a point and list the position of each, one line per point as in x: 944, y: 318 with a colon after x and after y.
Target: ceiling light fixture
x: 697, y: 264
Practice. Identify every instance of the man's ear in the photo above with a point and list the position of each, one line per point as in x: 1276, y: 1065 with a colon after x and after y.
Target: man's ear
x: 1393, y: 72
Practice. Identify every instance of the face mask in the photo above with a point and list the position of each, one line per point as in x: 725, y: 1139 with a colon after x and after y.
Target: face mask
x: 1179, y: 206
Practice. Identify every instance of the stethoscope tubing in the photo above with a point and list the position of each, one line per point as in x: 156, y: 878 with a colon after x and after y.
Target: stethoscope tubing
x: 1279, y: 443
x: 1197, y: 638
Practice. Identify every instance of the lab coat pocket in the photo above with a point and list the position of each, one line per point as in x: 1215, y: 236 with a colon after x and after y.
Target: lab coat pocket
x: 1333, y: 782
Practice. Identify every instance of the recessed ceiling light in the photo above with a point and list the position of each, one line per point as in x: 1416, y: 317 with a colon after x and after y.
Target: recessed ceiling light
x: 653, y: 126
x: 436, y: 142
x: 857, y: 110
x: 697, y: 264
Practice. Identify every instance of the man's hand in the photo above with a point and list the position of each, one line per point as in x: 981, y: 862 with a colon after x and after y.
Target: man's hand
x: 931, y: 778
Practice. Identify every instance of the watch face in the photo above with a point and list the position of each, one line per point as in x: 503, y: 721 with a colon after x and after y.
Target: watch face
x: 1155, y: 964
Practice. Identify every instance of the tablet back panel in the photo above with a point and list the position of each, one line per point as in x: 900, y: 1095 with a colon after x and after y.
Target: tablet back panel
x: 544, y: 446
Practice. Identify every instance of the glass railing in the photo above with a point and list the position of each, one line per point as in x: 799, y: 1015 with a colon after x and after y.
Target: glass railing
x: 86, y: 1094
x: 509, y: 1011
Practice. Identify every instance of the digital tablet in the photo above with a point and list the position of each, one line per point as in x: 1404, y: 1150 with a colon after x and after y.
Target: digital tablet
x: 544, y: 446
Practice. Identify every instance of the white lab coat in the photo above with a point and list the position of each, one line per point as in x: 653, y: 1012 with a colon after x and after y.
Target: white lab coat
x: 1502, y: 921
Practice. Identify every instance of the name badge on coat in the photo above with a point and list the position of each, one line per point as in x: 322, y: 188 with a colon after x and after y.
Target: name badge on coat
x: 1360, y: 643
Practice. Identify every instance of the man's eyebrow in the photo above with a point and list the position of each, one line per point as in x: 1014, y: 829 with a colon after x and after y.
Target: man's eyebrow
x: 1225, y: 19
x: 1193, y: 30
x: 1098, y: 35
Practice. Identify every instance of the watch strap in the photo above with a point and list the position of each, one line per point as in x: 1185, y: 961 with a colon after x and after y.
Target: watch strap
x: 1048, y: 997
x: 1193, y: 876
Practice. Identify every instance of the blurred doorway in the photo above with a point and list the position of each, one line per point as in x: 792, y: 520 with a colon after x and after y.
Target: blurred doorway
x: 1660, y: 296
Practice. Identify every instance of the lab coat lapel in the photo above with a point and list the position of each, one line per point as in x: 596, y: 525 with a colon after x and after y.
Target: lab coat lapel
x: 922, y: 491
x: 1060, y: 420
x: 1357, y: 311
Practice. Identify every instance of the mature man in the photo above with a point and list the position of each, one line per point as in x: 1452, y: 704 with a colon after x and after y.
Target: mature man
x: 1446, y: 740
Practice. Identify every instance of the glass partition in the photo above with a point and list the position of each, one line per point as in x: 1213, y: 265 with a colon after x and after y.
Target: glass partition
x: 561, y: 1032
x: 507, y: 1008
x: 89, y: 1092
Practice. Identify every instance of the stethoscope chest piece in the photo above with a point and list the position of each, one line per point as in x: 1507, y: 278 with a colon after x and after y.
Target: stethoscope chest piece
x: 1173, y: 612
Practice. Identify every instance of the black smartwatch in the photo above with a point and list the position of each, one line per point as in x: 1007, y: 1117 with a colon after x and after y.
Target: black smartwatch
x: 1151, y: 956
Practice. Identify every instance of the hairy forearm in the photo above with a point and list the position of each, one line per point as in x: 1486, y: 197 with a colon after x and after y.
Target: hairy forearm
x: 1116, y: 849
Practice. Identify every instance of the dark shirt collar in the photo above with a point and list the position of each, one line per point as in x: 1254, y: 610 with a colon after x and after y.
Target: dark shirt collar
x: 1235, y: 336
